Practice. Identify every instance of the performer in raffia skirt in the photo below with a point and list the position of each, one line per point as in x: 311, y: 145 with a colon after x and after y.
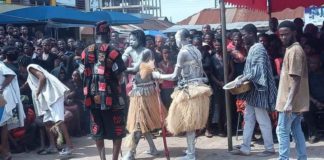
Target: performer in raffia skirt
x: 143, y: 114
x: 190, y: 105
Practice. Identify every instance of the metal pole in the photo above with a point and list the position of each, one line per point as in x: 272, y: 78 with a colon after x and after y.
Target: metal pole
x: 160, y: 8
x: 227, y: 100
x: 156, y: 8
x: 269, y: 8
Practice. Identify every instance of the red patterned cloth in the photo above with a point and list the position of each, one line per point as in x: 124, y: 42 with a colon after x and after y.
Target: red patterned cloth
x: 102, y: 67
x: 240, y: 105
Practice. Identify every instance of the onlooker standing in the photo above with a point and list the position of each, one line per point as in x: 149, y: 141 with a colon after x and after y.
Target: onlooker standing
x: 273, y: 26
x: 70, y: 45
x: 159, y: 43
x: 167, y: 67
x: 261, y: 98
x: 293, y: 93
x: 206, y: 28
x: 217, y: 111
x: 316, y: 87
x: 14, y: 115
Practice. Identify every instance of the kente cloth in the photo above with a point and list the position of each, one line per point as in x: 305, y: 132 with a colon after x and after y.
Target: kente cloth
x: 102, y: 67
x: 53, y: 90
x: 13, y: 114
x: 258, y: 70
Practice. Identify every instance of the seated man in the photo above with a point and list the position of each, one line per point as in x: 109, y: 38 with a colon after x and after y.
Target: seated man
x: 316, y: 87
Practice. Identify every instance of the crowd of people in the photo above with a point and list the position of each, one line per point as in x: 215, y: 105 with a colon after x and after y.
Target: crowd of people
x: 75, y: 67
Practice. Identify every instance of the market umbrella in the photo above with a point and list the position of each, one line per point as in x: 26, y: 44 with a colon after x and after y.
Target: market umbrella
x: 115, y: 18
x: 7, y: 19
x: 52, y: 13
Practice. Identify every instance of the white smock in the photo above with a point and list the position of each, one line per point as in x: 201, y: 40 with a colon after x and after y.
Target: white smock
x: 13, y: 114
x: 50, y: 102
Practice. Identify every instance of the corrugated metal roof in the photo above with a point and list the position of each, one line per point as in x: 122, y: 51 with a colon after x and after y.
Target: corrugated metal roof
x: 154, y: 24
x: 212, y: 16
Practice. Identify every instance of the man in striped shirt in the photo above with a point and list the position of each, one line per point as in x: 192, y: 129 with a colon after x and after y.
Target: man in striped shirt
x: 261, y: 98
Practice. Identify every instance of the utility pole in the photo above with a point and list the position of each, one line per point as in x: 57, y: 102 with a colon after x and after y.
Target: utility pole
x: 227, y: 100
x: 216, y: 3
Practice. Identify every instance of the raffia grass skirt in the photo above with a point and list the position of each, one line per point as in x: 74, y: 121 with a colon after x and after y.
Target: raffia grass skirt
x: 189, y: 109
x: 144, y: 113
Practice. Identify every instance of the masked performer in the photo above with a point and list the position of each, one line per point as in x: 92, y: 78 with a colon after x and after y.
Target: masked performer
x: 102, y: 73
x: 190, y: 106
x: 143, y: 113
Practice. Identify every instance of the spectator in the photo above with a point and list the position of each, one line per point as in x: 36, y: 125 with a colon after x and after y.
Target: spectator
x: 264, y: 40
x: 310, y: 47
x: 28, y: 49
x: 16, y: 34
x: 2, y: 30
x: 273, y: 26
x: 24, y: 34
x: 208, y: 39
x: 311, y: 29
x: 159, y: 43
x: 150, y: 43
x: 19, y: 47
x: 37, y: 52
x: 53, y: 42
x: 173, y: 49
x: 193, y: 33
x: 76, y: 97
x: 63, y: 49
x: 70, y: 45
x: 217, y: 110
x: 2, y: 40
x: 261, y: 98
x: 116, y: 39
x: 316, y: 87
x: 293, y: 93
x: 9, y: 30
x: 206, y: 29
x: 14, y: 115
x: 55, y: 51
x: 275, y: 53
x: 47, y: 58
x: 238, y: 54
x: 166, y: 66
x: 11, y: 55
x: 300, y: 25
x: 73, y: 117
x: 219, y: 30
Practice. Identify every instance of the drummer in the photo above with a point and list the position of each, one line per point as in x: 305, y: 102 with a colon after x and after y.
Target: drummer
x: 262, y: 96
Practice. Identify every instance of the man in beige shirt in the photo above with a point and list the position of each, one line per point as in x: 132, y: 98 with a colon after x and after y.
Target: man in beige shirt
x: 293, y: 93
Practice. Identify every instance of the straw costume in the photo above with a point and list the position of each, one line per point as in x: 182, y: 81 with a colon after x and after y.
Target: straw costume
x: 143, y: 114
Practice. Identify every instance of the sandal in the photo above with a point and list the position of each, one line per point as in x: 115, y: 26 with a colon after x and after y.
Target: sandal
x: 48, y: 151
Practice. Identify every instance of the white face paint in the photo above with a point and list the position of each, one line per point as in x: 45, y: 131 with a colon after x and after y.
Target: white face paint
x: 133, y: 41
x: 178, y: 39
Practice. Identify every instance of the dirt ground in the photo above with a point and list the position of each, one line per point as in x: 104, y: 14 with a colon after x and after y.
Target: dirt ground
x: 207, y: 149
